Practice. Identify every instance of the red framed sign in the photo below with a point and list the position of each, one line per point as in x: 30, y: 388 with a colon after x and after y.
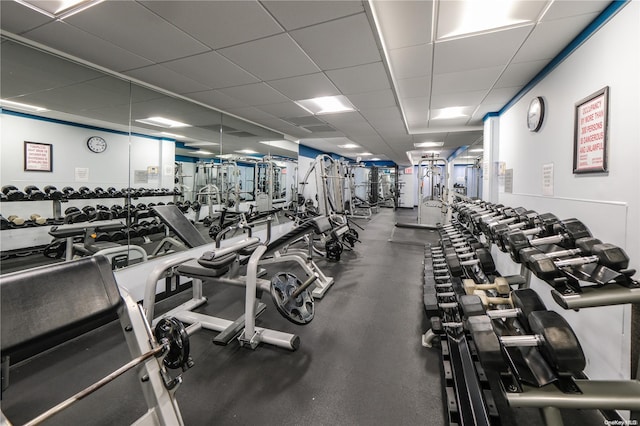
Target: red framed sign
x: 590, y: 133
x: 38, y: 157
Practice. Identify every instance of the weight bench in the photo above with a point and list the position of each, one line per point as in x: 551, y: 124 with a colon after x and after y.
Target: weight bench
x: 43, y: 307
x: 91, y: 247
x: 183, y: 229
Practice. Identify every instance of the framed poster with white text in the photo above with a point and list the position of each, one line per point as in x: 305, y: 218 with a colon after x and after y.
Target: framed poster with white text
x: 38, y: 157
x: 590, y: 133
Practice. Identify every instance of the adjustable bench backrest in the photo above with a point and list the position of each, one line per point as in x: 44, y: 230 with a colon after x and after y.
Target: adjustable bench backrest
x: 40, y: 306
x: 319, y: 225
x: 171, y: 216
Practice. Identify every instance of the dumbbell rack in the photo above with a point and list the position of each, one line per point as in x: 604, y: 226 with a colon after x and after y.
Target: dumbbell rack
x: 603, y: 395
x: 27, y: 239
x: 469, y: 400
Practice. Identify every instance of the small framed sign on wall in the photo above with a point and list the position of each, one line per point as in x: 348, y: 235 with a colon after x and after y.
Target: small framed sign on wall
x: 590, y: 133
x: 38, y: 157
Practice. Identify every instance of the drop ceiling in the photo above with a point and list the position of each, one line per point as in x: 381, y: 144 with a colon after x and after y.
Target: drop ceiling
x: 394, y: 60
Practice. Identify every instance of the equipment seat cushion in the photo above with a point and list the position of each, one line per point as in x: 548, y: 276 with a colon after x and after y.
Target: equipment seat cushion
x: 207, y: 266
x: 42, y: 303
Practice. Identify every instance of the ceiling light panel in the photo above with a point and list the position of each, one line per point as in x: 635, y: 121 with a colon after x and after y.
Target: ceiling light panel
x: 162, y: 122
x: 459, y: 18
x: 326, y: 105
x: 58, y: 9
x: 21, y: 106
x: 427, y: 144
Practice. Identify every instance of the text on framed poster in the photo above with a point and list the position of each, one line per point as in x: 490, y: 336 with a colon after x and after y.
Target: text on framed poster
x: 590, y: 138
x: 38, y: 157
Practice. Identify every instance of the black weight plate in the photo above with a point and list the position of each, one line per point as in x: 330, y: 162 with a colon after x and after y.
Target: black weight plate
x: 560, y: 346
x: 300, y: 309
x: 176, y: 334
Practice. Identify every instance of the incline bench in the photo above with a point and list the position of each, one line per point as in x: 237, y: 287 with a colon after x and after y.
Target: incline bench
x: 42, y: 307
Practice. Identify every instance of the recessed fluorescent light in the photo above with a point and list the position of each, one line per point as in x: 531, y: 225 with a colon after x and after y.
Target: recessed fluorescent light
x: 365, y: 153
x: 326, y: 105
x: 24, y: 107
x: 427, y: 144
x: 483, y: 15
x: 477, y: 150
x: 163, y: 122
x: 349, y: 146
x: 173, y: 135
x: 446, y: 113
x: 203, y: 152
x: 59, y: 9
x: 374, y: 159
x: 246, y: 151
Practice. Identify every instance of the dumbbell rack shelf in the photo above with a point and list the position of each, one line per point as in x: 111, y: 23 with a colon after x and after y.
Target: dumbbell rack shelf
x: 469, y: 400
x: 30, y: 237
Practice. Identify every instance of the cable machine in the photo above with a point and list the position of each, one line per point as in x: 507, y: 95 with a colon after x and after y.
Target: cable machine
x: 433, y: 194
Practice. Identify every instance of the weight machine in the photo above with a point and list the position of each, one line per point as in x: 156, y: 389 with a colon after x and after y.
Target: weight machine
x: 355, y: 204
x: 269, y: 187
x: 433, y: 194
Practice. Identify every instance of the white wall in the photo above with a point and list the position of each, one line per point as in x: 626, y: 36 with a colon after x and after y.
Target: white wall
x: 608, y: 203
x: 69, y: 152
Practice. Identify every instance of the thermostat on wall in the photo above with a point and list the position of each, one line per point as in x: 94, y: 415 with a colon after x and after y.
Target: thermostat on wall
x: 96, y: 144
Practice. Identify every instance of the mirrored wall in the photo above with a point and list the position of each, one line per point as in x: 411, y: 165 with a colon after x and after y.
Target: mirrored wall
x: 83, y: 149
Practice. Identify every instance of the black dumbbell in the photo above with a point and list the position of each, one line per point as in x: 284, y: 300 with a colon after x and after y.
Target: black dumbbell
x: 85, y: 192
x: 70, y: 193
x: 548, y: 266
x: 566, y: 233
x: 74, y: 215
x: 113, y: 192
x: 13, y: 193
x: 91, y: 212
x: 34, y: 193
x: 99, y: 192
x: 53, y: 193
x: 551, y: 333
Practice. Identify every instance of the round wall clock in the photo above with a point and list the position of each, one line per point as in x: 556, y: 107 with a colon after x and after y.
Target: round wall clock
x: 96, y: 144
x: 535, y: 114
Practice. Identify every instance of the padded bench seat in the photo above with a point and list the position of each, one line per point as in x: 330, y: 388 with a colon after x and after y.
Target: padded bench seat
x: 40, y: 305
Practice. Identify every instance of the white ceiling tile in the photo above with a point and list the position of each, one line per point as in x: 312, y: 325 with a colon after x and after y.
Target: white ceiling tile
x: 379, y: 115
x: 216, y: 99
x: 212, y: 70
x: 465, y: 81
x: 564, y: 9
x: 501, y: 95
x: 483, y: 51
x: 81, y: 44
x: 454, y: 122
x: 413, y: 87
x: 271, y: 58
x: 298, y: 14
x: 305, y: 86
x: 284, y: 109
x: 342, y: 118
x: 360, y: 79
x: 26, y: 70
x: 465, y: 99
x: 255, y: 94
x: 218, y: 23
x: 342, y: 43
x: 133, y: 27
x: 549, y: 38
x: 17, y: 18
x: 377, y: 99
x: 411, y: 62
x: 519, y: 74
x: 160, y: 76
x: 405, y: 23
x: 415, y: 105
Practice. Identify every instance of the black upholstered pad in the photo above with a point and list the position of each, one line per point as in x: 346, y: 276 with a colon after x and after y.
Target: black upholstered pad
x: 193, y: 269
x: 40, y: 303
x: 180, y: 225
x: 317, y: 224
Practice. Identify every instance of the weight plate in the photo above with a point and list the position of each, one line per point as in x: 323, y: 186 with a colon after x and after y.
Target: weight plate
x: 300, y: 309
x: 175, y: 333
